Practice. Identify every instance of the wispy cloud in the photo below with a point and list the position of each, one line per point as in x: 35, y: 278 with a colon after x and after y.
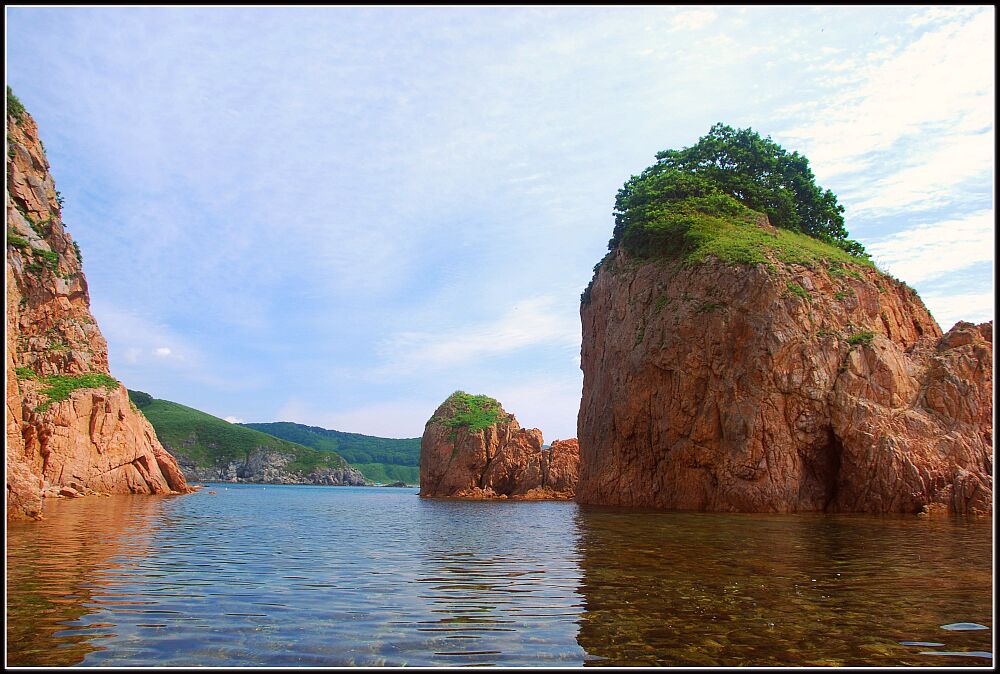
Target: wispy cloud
x: 347, y: 204
x: 928, y: 252
x: 936, y: 90
x: 950, y: 308
x: 693, y: 19
x: 930, y: 183
x: 530, y: 322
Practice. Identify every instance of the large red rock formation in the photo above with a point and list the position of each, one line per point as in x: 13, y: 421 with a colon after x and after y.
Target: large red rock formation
x: 499, y: 460
x: 94, y: 439
x: 779, y: 388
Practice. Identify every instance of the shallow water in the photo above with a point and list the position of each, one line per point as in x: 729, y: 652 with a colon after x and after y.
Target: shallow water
x: 327, y: 576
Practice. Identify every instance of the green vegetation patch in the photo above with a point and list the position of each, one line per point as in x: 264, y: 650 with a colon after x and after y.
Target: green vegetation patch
x: 14, y: 106
x: 13, y: 239
x: 356, y: 448
x: 472, y: 412
x: 716, y: 199
x: 386, y: 473
x: 798, y: 290
x: 209, y: 441
x: 49, y: 258
x: 25, y: 373
x: 864, y: 337
x: 695, y: 228
x: 58, y: 387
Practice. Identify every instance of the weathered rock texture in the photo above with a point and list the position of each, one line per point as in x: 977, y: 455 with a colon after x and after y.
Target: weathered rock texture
x: 740, y: 388
x: 94, y: 440
x: 267, y: 466
x: 500, y: 461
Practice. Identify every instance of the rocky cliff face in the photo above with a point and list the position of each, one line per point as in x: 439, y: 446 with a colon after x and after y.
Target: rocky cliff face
x: 69, y: 424
x: 472, y: 448
x: 268, y: 467
x: 779, y: 387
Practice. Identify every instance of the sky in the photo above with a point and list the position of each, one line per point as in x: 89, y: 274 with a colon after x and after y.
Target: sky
x: 338, y: 216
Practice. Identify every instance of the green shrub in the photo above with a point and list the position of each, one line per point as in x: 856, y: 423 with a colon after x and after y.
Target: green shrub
x: 714, y: 198
x: 14, y: 240
x: 676, y: 215
x: 59, y: 387
x: 49, y: 258
x: 661, y: 303
x: 760, y: 174
x: 864, y: 337
x: 840, y: 295
x: 472, y: 412
x: 798, y: 290
x: 76, y: 249
x: 25, y: 373
x: 14, y: 106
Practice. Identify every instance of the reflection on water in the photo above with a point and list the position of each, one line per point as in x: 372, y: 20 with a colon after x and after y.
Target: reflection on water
x: 730, y: 590
x: 319, y: 576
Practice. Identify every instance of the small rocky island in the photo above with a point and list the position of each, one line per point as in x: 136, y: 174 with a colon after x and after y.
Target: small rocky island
x: 741, y: 354
x: 473, y: 449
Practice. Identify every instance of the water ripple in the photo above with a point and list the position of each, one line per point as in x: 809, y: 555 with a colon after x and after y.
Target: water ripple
x: 336, y: 577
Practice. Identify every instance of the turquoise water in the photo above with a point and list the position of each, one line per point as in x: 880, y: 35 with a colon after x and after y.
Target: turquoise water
x: 255, y: 575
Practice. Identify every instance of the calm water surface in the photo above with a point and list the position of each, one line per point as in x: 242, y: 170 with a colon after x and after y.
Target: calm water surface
x: 331, y: 576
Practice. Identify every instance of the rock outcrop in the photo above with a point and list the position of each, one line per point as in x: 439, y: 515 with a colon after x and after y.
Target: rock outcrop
x: 69, y: 424
x: 779, y: 387
x: 266, y: 466
x: 472, y: 448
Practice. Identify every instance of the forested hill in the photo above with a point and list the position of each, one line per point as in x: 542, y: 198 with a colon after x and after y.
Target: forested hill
x: 380, y: 459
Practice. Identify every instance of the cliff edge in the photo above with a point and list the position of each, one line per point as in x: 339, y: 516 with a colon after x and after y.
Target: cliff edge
x: 472, y: 448
x: 70, y: 427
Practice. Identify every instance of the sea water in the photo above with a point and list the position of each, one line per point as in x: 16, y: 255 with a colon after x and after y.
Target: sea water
x: 270, y: 575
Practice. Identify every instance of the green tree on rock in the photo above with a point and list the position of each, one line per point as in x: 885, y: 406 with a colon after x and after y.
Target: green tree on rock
x: 755, y: 171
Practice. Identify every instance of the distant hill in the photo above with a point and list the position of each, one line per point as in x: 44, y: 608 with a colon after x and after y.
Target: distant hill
x: 379, y: 459
x: 209, y: 448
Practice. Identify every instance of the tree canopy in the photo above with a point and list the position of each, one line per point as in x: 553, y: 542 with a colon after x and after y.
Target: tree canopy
x: 755, y: 171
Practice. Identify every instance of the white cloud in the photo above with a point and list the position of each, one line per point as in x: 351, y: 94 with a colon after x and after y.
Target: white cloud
x: 530, y: 322
x: 693, y: 19
x: 162, y: 351
x: 932, y: 181
x: 233, y: 420
x: 938, y: 89
x: 930, y: 251
x: 951, y: 308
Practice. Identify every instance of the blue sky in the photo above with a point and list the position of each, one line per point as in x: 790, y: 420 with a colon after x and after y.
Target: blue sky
x: 338, y: 216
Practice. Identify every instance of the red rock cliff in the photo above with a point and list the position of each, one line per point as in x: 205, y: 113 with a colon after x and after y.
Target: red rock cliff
x: 486, y: 454
x: 779, y: 388
x: 93, y: 439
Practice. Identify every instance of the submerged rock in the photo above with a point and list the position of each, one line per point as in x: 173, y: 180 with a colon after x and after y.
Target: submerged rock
x: 472, y: 448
